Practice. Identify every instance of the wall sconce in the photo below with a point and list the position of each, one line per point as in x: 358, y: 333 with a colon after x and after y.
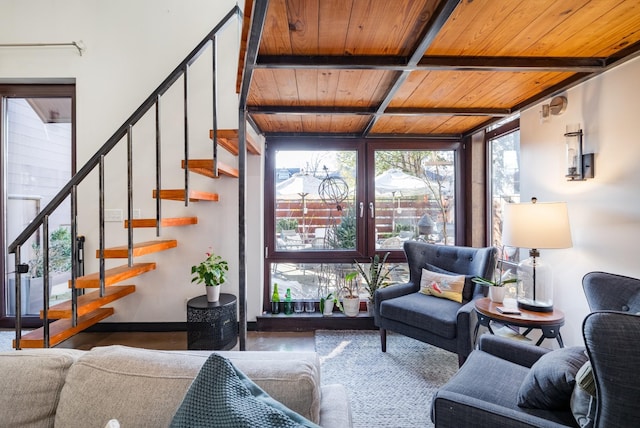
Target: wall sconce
x: 556, y: 107
x: 579, y: 165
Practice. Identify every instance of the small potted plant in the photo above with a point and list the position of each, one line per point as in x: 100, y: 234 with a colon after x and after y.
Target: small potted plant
x: 328, y: 302
x: 497, y: 288
x: 350, y: 296
x: 376, y: 276
x: 212, y: 272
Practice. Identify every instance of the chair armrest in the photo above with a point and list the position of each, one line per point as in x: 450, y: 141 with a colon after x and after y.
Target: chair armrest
x: 393, y: 291
x: 454, y: 410
x: 465, y: 322
x: 524, y: 354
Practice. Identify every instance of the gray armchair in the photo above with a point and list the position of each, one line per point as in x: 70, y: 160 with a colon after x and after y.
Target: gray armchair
x: 611, y: 292
x: 483, y: 392
x: 440, y: 322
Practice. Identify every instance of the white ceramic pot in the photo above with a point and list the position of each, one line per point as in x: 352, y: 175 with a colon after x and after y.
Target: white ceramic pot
x: 213, y: 293
x: 496, y: 294
x: 328, y: 307
x: 351, y: 306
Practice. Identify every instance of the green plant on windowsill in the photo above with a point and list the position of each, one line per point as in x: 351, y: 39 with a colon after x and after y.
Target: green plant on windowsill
x: 331, y: 297
x: 376, y: 276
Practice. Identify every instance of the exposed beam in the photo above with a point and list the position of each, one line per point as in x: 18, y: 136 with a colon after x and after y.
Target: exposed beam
x: 396, y: 111
x: 440, y: 17
x: 397, y: 63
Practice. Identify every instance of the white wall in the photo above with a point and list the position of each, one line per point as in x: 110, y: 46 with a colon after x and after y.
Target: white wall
x: 131, y: 46
x: 604, y: 212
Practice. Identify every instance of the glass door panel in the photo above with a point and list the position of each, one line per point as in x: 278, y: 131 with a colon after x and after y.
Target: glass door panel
x: 315, y: 205
x: 37, y: 164
x: 414, y: 197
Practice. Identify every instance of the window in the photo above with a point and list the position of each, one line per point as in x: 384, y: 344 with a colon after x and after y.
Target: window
x: 329, y: 203
x: 504, y: 148
x: 37, y: 146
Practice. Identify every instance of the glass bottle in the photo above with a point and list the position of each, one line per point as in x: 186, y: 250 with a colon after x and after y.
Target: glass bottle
x: 275, y: 300
x: 288, y: 304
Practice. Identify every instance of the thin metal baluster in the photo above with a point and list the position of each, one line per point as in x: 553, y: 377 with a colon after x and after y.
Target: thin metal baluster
x: 186, y: 135
x: 214, y: 109
x: 101, y: 222
x: 158, y: 167
x: 74, y: 248
x: 130, y: 193
x: 45, y: 279
x: 18, y: 294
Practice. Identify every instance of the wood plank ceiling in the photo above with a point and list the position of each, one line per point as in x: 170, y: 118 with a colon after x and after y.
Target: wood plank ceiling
x: 377, y: 68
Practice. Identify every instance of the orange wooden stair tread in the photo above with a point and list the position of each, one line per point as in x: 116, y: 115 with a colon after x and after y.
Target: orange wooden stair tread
x: 62, y: 329
x: 194, y: 195
x: 139, y: 249
x: 113, y: 275
x: 165, y: 222
x: 228, y: 139
x: 90, y: 301
x: 205, y: 167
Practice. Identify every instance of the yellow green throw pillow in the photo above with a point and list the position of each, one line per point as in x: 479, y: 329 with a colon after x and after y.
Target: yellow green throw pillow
x: 442, y: 285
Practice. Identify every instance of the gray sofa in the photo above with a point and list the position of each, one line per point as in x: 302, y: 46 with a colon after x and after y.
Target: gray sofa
x: 143, y: 388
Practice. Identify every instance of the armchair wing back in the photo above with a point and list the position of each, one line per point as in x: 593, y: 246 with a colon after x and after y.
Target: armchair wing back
x: 611, y: 292
x: 440, y: 322
x: 611, y: 339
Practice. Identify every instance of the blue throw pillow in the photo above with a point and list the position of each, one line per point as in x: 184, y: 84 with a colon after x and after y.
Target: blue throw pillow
x: 551, y: 380
x: 222, y: 396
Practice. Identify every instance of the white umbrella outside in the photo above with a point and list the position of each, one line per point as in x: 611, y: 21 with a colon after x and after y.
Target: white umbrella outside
x: 396, y: 181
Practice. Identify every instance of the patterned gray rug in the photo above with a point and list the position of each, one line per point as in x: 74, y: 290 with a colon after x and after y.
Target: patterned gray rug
x: 391, y: 389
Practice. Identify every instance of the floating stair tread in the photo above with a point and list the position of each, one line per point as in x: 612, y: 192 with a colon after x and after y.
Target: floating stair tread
x: 228, y: 139
x: 205, y: 167
x: 90, y: 302
x: 194, y: 195
x: 165, y: 222
x: 139, y: 249
x: 61, y: 330
x: 113, y: 275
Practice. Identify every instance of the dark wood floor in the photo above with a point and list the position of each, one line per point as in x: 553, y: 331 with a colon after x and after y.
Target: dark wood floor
x: 256, y: 341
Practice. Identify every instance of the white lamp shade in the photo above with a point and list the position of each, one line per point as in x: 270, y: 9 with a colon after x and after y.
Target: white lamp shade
x: 536, y: 225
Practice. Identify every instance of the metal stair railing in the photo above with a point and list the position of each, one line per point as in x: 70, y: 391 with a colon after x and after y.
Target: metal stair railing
x: 97, y: 160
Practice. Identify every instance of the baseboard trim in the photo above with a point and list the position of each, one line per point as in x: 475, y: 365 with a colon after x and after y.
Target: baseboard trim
x: 151, y: 327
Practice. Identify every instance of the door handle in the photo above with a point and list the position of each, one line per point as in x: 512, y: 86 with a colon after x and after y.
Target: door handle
x: 361, y: 209
x: 371, y: 209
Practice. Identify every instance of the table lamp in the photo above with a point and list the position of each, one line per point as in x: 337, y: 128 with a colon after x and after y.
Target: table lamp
x: 536, y: 226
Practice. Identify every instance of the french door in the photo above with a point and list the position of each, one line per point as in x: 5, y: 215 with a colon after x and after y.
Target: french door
x: 36, y: 124
x: 331, y: 202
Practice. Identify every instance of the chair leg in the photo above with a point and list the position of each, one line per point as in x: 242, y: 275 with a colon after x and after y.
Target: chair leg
x: 383, y: 339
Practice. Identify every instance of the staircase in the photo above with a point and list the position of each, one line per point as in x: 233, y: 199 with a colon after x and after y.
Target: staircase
x: 93, y: 292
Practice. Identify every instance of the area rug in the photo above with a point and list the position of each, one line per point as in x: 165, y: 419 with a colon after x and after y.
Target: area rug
x: 386, y: 389
x: 6, y: 340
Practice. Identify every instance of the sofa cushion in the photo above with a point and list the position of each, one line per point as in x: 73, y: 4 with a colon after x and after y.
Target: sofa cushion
x: 31, y: 384
x: 425, y: 312
x: 550, y: 381
x: 137, y: 387
x: 442, y: 285
x: 222, y: 396
x: 104, y: 383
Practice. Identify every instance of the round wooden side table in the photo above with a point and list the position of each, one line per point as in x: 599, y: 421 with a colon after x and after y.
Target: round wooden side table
x: 548, y: 322
x: 212, y: 326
